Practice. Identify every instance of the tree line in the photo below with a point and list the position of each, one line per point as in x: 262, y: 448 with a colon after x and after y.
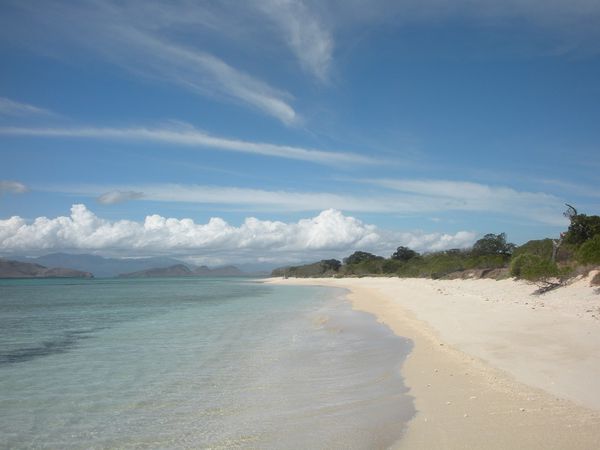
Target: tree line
x: 491, y: 256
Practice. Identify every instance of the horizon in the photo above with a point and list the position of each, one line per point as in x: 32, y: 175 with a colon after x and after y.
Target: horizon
x: 287, y: 132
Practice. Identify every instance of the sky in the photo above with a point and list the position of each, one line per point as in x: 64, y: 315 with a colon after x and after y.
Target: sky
x: 281, y: 131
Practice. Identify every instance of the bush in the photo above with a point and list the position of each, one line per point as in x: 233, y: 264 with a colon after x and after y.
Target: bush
x: 391, y: 266
x: 589, y: 252
x: 539, y: 247
x: 486, y: 262
x: 437, y: 265
x: 533, y: 267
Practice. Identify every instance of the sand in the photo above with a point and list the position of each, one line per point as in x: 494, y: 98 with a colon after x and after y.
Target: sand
x: 493, y: 366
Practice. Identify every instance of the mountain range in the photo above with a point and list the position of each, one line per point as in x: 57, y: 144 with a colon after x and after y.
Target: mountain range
x: 103, y: 267
x: 181, y: 270
x: 18, y: 269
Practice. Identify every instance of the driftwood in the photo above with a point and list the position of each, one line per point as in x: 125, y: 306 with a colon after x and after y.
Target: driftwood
x: 547, y: 286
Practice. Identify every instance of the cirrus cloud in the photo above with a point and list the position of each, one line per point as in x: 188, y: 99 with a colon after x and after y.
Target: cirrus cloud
x: 112, y: 197
x: 189, y: 136
x: 12, y: 187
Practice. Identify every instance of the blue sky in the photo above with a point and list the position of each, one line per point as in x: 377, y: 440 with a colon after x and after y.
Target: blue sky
x: 303, y: 129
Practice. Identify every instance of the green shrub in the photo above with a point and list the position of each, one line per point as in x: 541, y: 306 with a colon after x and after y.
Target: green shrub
x: 540, y: 247
x: 589, y: 252
x: 533, y: 267
x: 486, y: 262
x: 391, y: 266
x: 436, y: 265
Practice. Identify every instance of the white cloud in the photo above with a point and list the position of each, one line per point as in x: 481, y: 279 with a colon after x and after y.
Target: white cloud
x: 304, y: 32
x: 112, y: 197
x: 330, y: 233
x: 445, y: 195
x: 140, y: 37
x: 12, y: 187
x: 203, y: 73
x: 192, y: 137
x: 16, y: 109
x: 424, y: 197
x: 436, y: 241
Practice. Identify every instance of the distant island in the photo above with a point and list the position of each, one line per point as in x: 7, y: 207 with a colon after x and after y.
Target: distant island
x: 17, y: 269
x: 100, y: 266
x: 181, y: 270
x: 157, y: 266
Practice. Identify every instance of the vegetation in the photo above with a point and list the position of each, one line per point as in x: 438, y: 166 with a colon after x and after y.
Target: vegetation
x: 589, y: 252
x: 542, y: 248
x: 546, y: 262
x: 533, y: 267
x: 493, y: 244
x: 323, y: 268
x: 404, y: 254
x: 582, y: 227
x: 360, y: 258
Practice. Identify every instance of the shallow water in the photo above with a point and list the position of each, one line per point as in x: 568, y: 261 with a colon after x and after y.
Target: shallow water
x: 194, y: 363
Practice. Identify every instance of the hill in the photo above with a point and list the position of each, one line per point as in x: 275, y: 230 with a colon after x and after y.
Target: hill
x: 181, y: 270
x: 18, y: 269
x: 99, y: 265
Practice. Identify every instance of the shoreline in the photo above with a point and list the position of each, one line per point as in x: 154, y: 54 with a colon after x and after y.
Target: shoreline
x: 492, y: 366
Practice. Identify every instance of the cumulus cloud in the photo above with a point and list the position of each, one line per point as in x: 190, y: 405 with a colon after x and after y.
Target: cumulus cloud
x: 330, y: 233
x: 12, y: 187
x: 112, y: 197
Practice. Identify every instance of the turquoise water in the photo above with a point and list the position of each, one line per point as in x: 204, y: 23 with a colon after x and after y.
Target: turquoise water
x: 194, y: 363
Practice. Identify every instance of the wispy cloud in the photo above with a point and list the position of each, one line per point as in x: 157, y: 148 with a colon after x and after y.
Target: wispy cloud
x: 576, y: 189
x: 424, y: 197
x: 17, y: 109
x: 469, y: 196
x: 112, y: 197
x: 12, y: 187
x: 203, y: 73
x: 138, y: 36
x: 192, y: 137
x: 330, y: 233
x: 304, y: 32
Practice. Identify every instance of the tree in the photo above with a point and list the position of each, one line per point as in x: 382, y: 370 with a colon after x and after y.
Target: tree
x: 360, y: 257
x: 582, y: 226
x: 331, y: 264
x: 493, y: 244
x: 404, y: 254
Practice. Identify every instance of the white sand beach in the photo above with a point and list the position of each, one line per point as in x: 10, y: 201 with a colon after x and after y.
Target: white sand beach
x: 493, y: 366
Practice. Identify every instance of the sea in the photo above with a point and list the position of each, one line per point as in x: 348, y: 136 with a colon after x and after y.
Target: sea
x: 178, y: 363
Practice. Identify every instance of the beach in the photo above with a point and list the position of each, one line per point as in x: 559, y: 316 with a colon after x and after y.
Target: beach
x: 493, y: 366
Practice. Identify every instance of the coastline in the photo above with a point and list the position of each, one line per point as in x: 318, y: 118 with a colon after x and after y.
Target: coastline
x: 492, y: 366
